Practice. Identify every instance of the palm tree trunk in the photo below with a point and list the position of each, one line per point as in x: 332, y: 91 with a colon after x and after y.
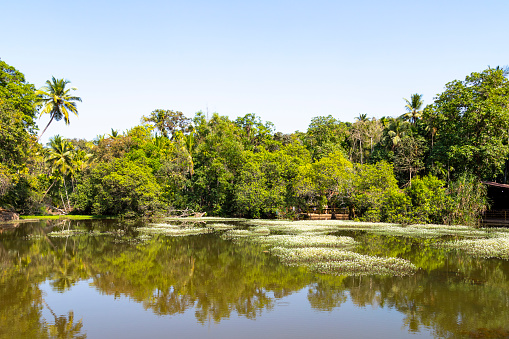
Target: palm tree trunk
x: 67, y: 196
x: 48, y: 189
x: 63, y: 203
x: 45, y: 128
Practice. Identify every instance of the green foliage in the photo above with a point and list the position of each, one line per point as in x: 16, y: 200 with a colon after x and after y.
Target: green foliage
x: 112, y: 148
x: 364, y: 135
x: 245, y: 168
x: 325, y: 135
x: 218, y: 160
x: 370, y: 185
x: 469, y: 200
x: 413, y: 108
x: 17, y: 113
x: 326, y: 181
x: 429, y: 200
x: 471, y: 122
x: 253, y: 131
x: 395, y: 206
x: 17, y: 135
x: 60, y: 155
x: 168, y: 122
x: 264, y: 184
x: 255, y: 194
x: 394, y: 131
x: 17, y: 94
x: 121, y: 187
x: 57, y: 100
x: 408, y: 157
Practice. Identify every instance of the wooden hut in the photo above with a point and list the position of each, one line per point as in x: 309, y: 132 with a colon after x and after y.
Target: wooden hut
x: 498, y: 195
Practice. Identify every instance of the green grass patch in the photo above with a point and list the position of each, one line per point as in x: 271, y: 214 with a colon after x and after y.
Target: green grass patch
x: 71, y: 217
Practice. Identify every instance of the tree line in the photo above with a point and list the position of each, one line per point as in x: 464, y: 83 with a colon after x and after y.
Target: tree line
x: 425, y: 164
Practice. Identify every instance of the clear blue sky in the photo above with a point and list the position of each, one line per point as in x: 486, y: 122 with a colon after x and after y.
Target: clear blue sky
x: 286, y: 61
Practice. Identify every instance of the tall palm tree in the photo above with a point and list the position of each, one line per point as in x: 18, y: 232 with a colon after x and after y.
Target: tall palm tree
x: 57, y: 101
x: 60, y: 159
x: 413, y: 107
x: 60, y: 155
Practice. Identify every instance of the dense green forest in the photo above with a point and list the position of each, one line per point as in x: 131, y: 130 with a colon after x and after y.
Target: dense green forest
x: 425, y: 165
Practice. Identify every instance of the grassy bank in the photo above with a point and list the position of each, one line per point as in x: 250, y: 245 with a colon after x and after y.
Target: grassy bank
x: 71, y: 217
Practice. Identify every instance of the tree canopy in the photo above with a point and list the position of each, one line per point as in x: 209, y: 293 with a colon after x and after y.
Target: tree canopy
x: 403, y: 169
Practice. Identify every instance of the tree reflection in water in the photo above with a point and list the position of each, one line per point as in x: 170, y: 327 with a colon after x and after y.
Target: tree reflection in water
x: 453, y: 294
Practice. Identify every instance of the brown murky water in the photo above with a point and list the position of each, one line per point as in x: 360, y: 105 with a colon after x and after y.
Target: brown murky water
x: 106, y: 283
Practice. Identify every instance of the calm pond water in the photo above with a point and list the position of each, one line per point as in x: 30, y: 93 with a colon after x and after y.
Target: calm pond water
x: 104, y: 283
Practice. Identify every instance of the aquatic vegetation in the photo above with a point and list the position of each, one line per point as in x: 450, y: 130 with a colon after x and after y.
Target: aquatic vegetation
x: 496, y: 247
x: 328, y: 226
x: 428, y: 231
x: 341, y: 262
x: 238, y: 233
x: 311, y: 254
x: 34, y: 237
x: 305, y: 244
x: 65, y: 233
x: 174, y: 230
x: 313, y: 226
x: 221, y: 226
x: 261, y: 230
x: 367, y: 265
x: 311, y: 240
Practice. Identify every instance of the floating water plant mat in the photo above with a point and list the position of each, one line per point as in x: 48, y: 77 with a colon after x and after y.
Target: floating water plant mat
x: 341, y: 262
x: 328, y: 226
x: 323, y: 253
x: 65, y: 233
x: 495, y: 247
x: 175, y: 230
x: 311, y: 243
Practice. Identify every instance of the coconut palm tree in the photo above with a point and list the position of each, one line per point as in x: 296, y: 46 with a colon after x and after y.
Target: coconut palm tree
x: 57, y: 101
x: 60, y: 154
x: 395, y: 131
x: 413, y: 107
x: 60, y: 159
x: 363, y: 117
x: 114, y: 134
